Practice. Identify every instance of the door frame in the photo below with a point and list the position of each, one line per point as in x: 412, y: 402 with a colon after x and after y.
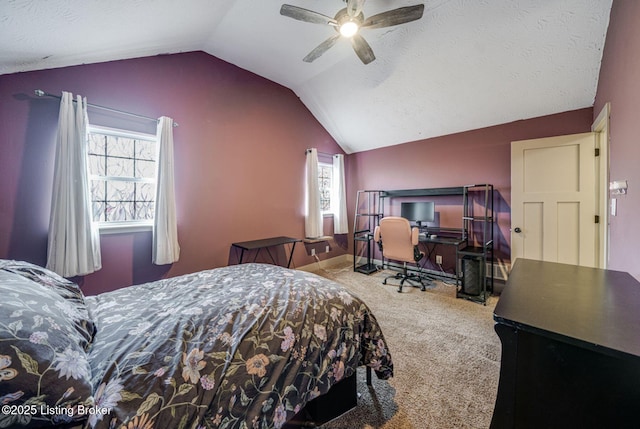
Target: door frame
x: 600, y: 126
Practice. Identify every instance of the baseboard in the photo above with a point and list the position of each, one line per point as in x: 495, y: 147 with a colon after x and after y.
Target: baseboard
x: 501, y: 269
x: 327, y: 263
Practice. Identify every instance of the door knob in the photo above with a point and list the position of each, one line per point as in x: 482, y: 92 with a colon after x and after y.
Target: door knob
x: 517, y: 230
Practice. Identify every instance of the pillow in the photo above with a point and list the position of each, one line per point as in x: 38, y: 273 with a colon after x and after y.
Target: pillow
x: 76, y: 308
x: 44, y: 371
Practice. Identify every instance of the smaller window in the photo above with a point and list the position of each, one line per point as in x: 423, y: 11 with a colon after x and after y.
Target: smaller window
x: 122, y: 177
x: 325, y: 182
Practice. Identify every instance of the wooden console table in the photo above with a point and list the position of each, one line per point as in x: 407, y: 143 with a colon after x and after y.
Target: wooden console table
x: 266, y: 243
x: 570, y: 348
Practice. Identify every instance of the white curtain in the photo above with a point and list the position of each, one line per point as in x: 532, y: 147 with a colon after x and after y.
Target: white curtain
x: 165, y: 227
x: 313, y: 215
x: 339, y: 197
x: 74, y: 240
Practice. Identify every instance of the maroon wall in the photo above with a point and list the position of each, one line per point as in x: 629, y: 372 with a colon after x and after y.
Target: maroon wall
x: 474, y: 157
x: 239, y: 154
x: 619, y: 84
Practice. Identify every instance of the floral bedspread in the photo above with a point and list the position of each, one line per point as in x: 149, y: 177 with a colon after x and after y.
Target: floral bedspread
x: 245, y: 346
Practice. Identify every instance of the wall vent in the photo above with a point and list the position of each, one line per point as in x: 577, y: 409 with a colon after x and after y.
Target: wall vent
x: 500, y: 270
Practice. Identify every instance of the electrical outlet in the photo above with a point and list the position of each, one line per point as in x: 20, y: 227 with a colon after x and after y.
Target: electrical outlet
x: 438, y: 259
x: 313, y: 252
x: 326, y: 249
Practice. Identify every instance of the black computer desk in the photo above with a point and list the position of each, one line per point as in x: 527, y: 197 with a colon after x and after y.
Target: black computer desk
x: 431, y: 243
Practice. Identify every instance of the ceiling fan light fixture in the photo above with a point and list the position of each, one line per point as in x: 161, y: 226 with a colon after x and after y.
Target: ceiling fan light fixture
x: 349, y: 28
x: 348, y: 22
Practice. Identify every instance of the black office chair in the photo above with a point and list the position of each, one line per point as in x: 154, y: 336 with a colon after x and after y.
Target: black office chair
x: 399, y: 242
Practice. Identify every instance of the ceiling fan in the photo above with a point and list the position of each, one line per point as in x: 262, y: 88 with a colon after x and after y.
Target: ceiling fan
x: 349, y: 21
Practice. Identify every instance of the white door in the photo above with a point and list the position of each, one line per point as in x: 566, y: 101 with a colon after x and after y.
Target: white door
x: 554, y: 191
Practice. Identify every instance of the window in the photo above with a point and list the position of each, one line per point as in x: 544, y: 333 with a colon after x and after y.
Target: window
x: 325, y: 182
x: 122, y: 175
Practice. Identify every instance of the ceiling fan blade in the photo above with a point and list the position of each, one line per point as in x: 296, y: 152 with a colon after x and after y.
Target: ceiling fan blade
x: 394, y: 17
x: 321, y: 49
x: 354, y: 7
x: 362, y: 48
x: 305, y: 15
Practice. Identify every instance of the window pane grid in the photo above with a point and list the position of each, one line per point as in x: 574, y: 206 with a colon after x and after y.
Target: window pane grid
x: 122, y: 173
x: 325, y: 178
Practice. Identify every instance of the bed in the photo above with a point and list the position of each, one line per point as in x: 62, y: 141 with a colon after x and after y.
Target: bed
x: 245, y: 346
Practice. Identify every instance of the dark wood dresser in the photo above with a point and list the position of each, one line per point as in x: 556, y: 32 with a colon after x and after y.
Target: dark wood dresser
x: 570, y: 348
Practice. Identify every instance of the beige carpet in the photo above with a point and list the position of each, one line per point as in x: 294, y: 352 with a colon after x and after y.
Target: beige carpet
x: 446, y: 357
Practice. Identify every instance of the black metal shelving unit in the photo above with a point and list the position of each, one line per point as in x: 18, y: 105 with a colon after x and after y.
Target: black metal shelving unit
x: 367, y: 216
x: 477, y: 256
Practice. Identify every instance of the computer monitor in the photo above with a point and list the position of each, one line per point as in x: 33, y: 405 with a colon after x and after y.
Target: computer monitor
x: 418, y: 211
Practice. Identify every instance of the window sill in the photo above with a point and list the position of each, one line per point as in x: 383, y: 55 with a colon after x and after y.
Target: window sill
x: 124, y: 227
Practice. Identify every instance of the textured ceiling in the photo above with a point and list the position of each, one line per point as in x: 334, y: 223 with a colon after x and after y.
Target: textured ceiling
x: 466, y: 64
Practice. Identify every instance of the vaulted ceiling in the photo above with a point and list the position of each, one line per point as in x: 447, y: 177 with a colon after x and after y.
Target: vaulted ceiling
x: 466, y: 64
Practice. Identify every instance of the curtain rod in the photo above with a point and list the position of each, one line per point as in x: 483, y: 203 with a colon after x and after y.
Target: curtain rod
x: 306, y: 151
x: 41, y: 93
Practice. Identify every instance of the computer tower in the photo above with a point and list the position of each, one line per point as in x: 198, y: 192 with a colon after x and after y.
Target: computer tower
x: 471, y: 275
